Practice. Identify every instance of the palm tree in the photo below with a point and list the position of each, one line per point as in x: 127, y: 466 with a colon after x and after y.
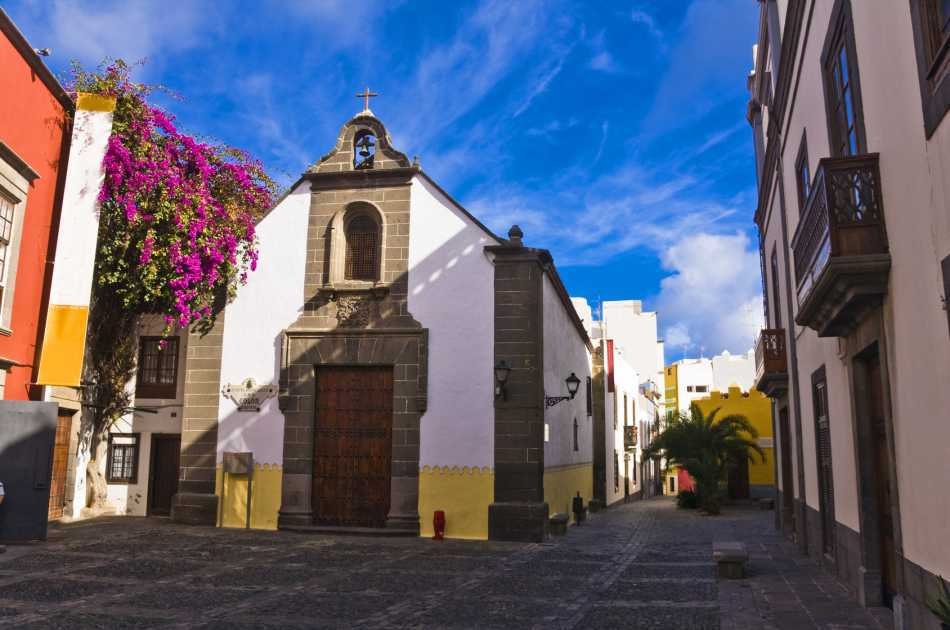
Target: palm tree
x: 705, y: 446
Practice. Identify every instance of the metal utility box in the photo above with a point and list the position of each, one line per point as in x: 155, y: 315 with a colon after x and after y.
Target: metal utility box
x: 27, y: 436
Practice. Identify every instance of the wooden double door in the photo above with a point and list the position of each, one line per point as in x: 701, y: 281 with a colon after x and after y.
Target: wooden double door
x: 352, y: 443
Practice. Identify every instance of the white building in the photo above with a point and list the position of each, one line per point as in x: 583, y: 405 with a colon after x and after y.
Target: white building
x: 626, y: 403
x: 688, y: 380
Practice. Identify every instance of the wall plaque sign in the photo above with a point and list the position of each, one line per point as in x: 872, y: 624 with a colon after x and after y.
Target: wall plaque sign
x: 248, y: 395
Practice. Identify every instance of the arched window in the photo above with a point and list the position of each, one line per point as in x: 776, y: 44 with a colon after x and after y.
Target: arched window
x: 362, y: 249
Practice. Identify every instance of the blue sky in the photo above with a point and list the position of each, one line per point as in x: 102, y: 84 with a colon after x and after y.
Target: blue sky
x: 612, y: 132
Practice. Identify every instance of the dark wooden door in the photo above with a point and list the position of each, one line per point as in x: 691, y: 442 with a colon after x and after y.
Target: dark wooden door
x: 163, y: 482
x: 57, y: 484
x: 882, y: 478
x: 738, y: 479
x: 352, y: 445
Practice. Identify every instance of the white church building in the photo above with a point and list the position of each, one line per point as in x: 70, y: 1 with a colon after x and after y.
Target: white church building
x: 391, y: 357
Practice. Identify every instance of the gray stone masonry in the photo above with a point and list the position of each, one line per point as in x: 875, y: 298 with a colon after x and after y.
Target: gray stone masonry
x: 641, y: 565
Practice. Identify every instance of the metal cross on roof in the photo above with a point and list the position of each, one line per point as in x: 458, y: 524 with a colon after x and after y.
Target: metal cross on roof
x: 366, y: 95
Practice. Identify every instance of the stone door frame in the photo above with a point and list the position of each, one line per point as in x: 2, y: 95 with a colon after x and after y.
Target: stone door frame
x: 302, y: 351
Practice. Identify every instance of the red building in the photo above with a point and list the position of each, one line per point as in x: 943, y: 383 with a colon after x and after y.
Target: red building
x: 34, y: 146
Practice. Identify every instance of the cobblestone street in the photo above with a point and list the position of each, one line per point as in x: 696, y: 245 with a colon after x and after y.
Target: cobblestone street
x: 643, y: 565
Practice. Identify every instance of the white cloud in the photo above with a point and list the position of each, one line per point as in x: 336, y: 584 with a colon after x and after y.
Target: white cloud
x: 93, y: 31
x: 604, y: 62
x: 713, y: 296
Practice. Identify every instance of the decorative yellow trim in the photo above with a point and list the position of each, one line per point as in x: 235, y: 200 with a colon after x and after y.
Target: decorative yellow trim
x: 562, y: 483
x: 63, y: 345
x: 95, y: 102
x: 463, y: 493
x: 455, y: 470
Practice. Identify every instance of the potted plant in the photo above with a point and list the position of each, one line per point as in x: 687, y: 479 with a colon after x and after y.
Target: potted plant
x: 940, y: 606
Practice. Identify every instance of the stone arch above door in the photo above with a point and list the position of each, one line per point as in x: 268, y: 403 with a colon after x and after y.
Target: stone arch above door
x: 303, y: 352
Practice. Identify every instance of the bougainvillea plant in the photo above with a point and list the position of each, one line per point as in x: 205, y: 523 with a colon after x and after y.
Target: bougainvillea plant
x: 176, y: 238
x: 178, y: 214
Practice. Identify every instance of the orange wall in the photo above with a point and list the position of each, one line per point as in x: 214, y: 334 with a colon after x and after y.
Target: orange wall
x: 32, y: 124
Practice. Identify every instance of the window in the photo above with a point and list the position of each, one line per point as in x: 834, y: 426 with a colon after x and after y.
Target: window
x: 931, y: 21
x: 633, y: 469
x: 842, y: 87
x: 362, y: 249
x: 123, y: 460
x: 590, y: 397
x: 802, y: 174
x: 672, y: 485
x: 6, y: 237
x: 776, y: 299
x: 625, y: 405
x: 689, y: 388
x: 157, y: 375
x: 576, y: 448
x: 702, y: 389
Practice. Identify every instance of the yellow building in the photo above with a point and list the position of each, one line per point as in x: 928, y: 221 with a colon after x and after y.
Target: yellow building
x: 671, y: 386
x: 756, y: 406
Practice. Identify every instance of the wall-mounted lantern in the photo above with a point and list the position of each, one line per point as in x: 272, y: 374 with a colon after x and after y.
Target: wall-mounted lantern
x: 502, y: 370
x: 573, y: 383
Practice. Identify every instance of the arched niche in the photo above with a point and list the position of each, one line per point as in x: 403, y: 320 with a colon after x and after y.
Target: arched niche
x: 358, y: 233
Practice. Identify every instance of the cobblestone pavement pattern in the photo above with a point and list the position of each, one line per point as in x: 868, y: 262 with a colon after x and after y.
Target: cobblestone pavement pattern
x: 642, y: 565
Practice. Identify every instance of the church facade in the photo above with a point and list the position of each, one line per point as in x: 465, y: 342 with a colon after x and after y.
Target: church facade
x: 391, y: 357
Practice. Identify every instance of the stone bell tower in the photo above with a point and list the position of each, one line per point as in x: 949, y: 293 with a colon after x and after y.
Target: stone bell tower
x: 355, y: 331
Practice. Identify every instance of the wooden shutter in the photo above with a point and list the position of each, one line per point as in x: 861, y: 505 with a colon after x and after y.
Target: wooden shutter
x: 826, y: 494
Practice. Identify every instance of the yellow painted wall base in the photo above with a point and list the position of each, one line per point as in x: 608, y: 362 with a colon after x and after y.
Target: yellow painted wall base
x: 464, y: 494
x: 561, y: 485
x: 63, y: 345
x: 265, y: 497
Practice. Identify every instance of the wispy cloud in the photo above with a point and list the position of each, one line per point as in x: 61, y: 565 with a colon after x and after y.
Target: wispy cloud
x: 602, y: 59
x: 540, y: 86
x: 553, y: 127
x: 638, y: 16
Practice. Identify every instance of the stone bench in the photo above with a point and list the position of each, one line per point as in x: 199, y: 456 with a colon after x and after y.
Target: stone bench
x: 558, y: 524
x: 731, y: 558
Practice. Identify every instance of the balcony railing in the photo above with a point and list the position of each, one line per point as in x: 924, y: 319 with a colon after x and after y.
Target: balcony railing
x: 840, y: 245
x: 771, y: 363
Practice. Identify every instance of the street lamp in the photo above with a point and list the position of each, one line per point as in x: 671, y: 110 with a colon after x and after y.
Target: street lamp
x: 573, y: 383
x: 502, y: 370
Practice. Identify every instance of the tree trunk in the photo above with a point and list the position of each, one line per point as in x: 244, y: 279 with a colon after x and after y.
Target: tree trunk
x: 96, y: 486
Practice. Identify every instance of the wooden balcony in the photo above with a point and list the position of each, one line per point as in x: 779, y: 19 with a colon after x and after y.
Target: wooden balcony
x: 771, y: 363
x: 840, y: 246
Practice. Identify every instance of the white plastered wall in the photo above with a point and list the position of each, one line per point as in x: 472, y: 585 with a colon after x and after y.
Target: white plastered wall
x: 451, y: 292
x: 564, y: 352
x: 915, y: 181
x: 269, y: 302
x: 626, y: 384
